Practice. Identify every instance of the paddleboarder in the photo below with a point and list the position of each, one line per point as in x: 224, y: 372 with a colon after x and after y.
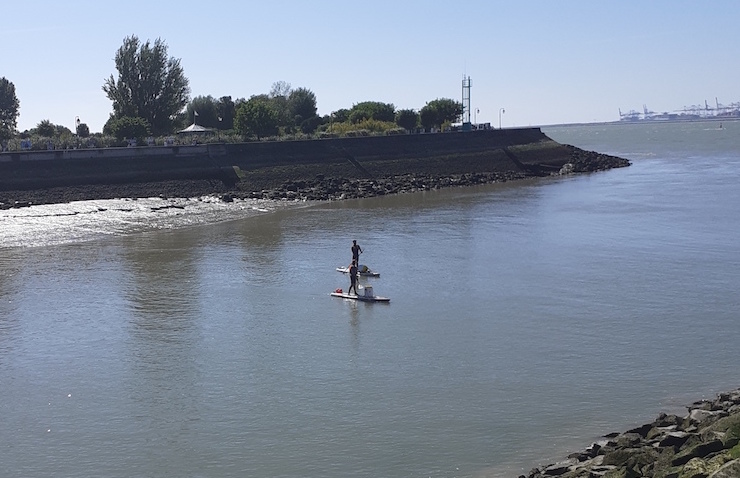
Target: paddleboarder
x: 352, y: 277
x: 356, y: 251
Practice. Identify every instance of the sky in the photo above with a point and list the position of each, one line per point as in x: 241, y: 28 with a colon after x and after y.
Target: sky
x: 530, y: 62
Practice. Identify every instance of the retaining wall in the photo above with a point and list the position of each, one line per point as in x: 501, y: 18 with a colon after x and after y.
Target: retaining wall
x: 262, y: 164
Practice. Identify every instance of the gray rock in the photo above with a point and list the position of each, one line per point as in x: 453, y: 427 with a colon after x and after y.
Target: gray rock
x: 728, y: 470
x: 674, y: 439
x: 699, y: 451
x: 699, y: 414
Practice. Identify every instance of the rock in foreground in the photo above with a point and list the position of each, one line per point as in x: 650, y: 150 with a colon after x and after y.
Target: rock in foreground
x: 703, y: 444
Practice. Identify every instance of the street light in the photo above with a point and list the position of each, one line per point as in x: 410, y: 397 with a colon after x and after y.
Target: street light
x: 477, y: 110
x: 77, y: 132
x: 500, y: 110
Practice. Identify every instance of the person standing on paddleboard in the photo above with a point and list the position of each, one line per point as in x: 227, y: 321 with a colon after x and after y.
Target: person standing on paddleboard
x: 356, y: 251
x: 352, y: 277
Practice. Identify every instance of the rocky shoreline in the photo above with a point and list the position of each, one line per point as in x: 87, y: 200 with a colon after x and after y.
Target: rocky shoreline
x: 703, y: 444
x: 286, y: 183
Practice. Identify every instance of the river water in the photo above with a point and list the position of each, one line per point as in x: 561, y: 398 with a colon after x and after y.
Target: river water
x: 161, y: 338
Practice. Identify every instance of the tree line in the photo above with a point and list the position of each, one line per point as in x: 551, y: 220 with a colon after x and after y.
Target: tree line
x: 150, y: 96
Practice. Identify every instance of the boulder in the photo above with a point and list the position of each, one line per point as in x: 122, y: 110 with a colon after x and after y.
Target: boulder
x: 730, y: 469
x: 699, y: 451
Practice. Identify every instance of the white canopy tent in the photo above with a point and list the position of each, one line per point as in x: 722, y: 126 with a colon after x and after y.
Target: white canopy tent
x: 195, y: 128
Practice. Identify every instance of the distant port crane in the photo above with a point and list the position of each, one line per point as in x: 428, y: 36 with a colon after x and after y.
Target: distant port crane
x: 693, y: 112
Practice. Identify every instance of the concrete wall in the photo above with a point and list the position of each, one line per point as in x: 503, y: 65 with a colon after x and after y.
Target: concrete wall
x: 263, y: 162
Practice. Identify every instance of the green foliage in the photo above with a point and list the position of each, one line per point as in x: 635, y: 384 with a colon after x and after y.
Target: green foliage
x: 226, y: 110
x: 60, y: 130
x: 256, y: 117
x: 428, y: 118
x: 407, y: 119
x: 45, y: 128
x: 368, y: 125
x: 340, y: 116
x: 129, y: 127
x: 302, y: 103
x: 372, y: 110
x: 278, y: 100
x: 439, y: 111
x: 150, y: 85
x: 207, y: 109
x: 83, y: 131
x: 311, y: 124
x: 280, y: 88
x: 9, y: 106
x: 358, y: 116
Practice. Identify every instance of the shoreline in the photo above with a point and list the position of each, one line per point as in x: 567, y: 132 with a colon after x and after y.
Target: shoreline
x: 317, y: 182
x: 705, y: 443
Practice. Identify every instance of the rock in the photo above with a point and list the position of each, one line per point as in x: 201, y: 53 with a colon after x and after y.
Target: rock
x: 664, y: 420
x: 695, y: 468
x: 622, y: 473
x: 674, y: 439
x: 642, y: 431
x: 703, y: 444
x: 699, y: 451
x: 559, y: 468
x: 700, y: 414
x: 728, y: 470
x: 566, y: 169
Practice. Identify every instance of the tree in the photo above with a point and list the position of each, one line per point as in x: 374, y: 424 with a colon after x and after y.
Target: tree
x: 311, y: 124
x: 280, y: 88
x: 207, y: 110
x: 428, y: 118
x: 256, y: 117
x: 46, y: 129
x: 340, y: 116
x: 372, y: 110
x: 278, y: 97
x: 226, y: 110
x: 437, y: 112
x: 150, y: 85
x: 128, y: 127
x: 302, y: 103
x: 407, y: 119
x: 9, y: 106
x: 83, y: 131
x: 61, y: 130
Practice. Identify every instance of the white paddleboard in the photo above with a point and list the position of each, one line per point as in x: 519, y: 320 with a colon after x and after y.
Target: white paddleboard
x: 363, y: 298
x: 367, y: 273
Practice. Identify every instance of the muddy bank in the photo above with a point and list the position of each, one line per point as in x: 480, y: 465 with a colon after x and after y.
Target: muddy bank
x: 295, y: 170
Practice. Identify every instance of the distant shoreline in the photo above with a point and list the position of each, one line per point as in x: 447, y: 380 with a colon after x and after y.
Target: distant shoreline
x: 644, y: 121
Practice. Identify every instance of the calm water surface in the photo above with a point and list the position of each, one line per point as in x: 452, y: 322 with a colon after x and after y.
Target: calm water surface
x: 526, y: 320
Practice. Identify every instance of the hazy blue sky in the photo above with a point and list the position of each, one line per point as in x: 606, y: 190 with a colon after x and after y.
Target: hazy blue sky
x: 544, y: 61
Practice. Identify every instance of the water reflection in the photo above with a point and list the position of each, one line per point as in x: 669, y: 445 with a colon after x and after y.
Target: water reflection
x: 9, y: 289
x: 162, y: 288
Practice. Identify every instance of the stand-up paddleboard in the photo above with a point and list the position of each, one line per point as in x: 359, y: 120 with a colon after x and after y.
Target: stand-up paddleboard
x: 366, y: 295
x: 362, y: 270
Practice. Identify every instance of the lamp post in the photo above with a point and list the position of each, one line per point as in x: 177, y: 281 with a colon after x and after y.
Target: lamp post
x: 500, y: 110
x: 477, y: 110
